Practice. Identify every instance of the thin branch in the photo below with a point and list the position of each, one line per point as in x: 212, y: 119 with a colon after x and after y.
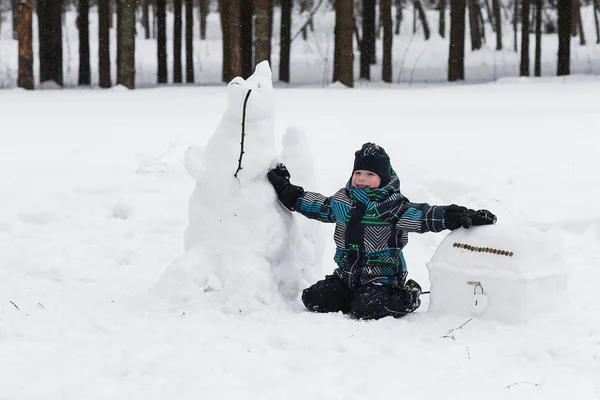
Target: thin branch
x: 312, y: 13
x: 17, y: 307
x: 239, y: 168
x: 450, y: 333
x: 520, y: 383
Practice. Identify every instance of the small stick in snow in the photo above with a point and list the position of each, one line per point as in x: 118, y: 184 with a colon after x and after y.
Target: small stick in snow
x: 519, y: 383
x: 14, y: 305
x: 450, y: 334
x: 239, y: 168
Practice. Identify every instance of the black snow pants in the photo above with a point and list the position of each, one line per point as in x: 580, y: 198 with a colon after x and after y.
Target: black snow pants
x: 367, y: 302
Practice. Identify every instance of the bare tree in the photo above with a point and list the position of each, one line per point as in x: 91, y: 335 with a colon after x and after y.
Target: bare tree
x: 25, y: 34
x: 456, y: 58
x: 474, y: 25
x: 189, y: 41
x: 423, y: 18
x: 285, y: 40
x: 577, y: 22
x: 104, y: 44
x: 497, y: 23
x: 263, y: 22
x: 564, y: 10
x: 161, y: 24
x: 343, y: 60
x: 399, y: 16
x: 367, y: 48
x: 84, y: 42
x: 524, y: 69
x: 232, y: 39
x: 538, y: 38
x: 146, y: 18
x: 50, y: 40
x: 177, y: 25
x: 442, y: 21
x: 388, y: 35
x: 126, y: 43
x: 203, y: 11
x: 306, y: 6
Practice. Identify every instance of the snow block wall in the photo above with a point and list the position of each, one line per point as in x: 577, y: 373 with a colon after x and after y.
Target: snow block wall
x: 244, y: 250
x: 499, y: 273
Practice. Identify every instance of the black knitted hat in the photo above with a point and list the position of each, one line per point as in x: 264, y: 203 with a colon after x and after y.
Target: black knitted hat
x: 372, y: 157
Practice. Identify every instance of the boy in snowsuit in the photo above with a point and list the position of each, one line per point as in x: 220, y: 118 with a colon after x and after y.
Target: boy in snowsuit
x: 372, y: 220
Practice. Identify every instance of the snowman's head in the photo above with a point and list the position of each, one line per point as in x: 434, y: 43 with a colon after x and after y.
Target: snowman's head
x: 254, y: 94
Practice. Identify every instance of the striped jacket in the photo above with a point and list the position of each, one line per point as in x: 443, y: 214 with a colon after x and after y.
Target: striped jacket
x: 371, y: 229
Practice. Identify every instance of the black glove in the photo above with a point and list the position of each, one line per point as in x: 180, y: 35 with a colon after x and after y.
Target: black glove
x: 286, y: 192
x: 458, y: 216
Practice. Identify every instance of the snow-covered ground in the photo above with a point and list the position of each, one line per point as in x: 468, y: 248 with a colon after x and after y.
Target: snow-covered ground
x: 94, y: 205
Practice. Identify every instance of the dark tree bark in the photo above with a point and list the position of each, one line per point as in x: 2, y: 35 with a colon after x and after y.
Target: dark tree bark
x: 577, y: 22
x: 498, y: 23
x: 146, y: 18
x: 367, y: 48
x: 15, y: 19
x: 189, y: 41
x: 595, y: 7
x: 161, y: 22
x: 285, y: 40
x: 50, y: 41
x: 564, y: 10
x: 474, y: 24
x: 177, y: 25
x: 516, y: 24
x: 481, y: 21
x: 490, y: 17
x: 524, y: 69
x: 442, y: 26
x: 104, y: 44
x: 263, y: 22
x: 306, y: 6
x: 422, y: 18
x: 25, y: 34
x: 126, y: 43
x: 398, y: 16
x: 84, y: 43
x: 538, y: 38
x: 456, y: 58
x: 232, y: 39
x: 343, y: 61
x: 246, y: 11
x: 203, y: 10
x: 386, y: 20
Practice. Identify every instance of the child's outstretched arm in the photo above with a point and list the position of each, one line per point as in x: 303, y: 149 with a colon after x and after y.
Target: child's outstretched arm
x: 294, y: 198
x: 421, y: 217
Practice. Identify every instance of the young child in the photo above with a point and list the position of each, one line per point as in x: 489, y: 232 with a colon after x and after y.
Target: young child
x: 372, y: 220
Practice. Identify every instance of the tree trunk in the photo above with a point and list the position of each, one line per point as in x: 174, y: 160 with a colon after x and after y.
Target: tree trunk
x: 104, y: 44
x: 84, y: 43
x: 516, y: 24
x: 577, y: 12
x: 306, y: 6
x: 564, y: 10
x: 456, y: 59
x: 442, y: 27
x: 422, y: 18
x: 146, y: 18
x: 398, y: 16
x: 262, y: 30
x: 203, y: 10
x: 498, y: 23
x: 15, y: 18
x: 177, y: 25
x: 232, y: 39
x: 25, y: 34
x: 386, y: 21
x: 161, y: 22
x: 126, y: 43
x: 285, y: 40
x: 524, y: 70
x: 367, y: 48
x: 474, y: 25
x: 189, y: 41
x: 50, y: 41
x: 595, y: 8
x: 538, y: 38
x: 246, y: 13
x: 481, y: 22
x: 343, y: 62
x: 490, y: 19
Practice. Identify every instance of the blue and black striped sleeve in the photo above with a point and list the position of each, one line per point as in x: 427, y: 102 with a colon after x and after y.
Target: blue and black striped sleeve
x: 421, y: 218
x: 315, y: 206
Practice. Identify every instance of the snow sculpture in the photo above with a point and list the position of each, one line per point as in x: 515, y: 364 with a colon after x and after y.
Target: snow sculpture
x: 506, y: 274
x: 243, y: 249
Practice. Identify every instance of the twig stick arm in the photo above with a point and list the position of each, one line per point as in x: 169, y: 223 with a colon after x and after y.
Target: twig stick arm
x: 239, y: 168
